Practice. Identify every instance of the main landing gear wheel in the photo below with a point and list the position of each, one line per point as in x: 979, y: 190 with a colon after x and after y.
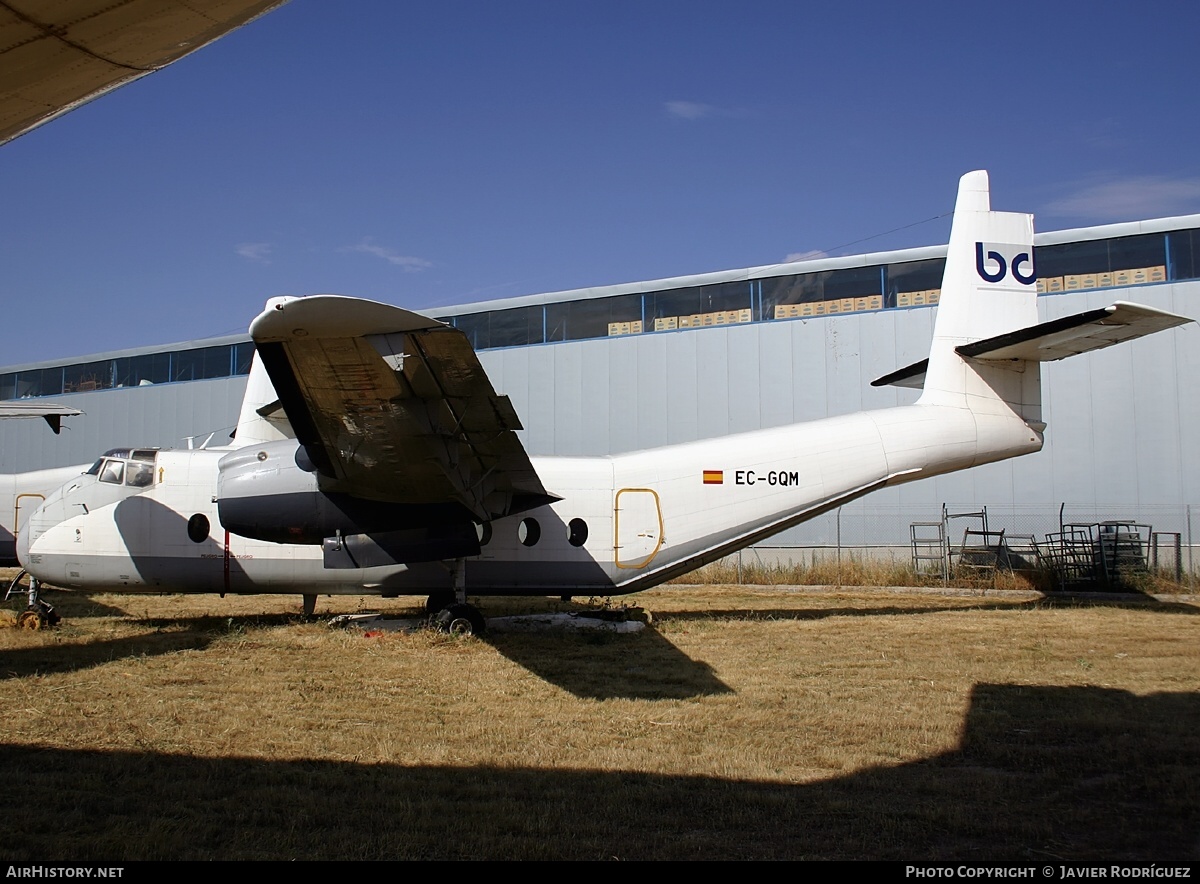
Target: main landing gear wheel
x: 461, y: 619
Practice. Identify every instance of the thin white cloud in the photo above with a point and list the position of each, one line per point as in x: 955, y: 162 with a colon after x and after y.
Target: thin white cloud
x: 690, y: 110
x: 408, y: 262
x: 1130, y: 199
x: 810, y: 255
x: 255, y: 251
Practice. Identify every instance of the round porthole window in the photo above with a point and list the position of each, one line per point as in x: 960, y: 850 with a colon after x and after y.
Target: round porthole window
x: 198, y: 528
x: 577, y: 532
x: 529, y: 531
x: 484, y: 533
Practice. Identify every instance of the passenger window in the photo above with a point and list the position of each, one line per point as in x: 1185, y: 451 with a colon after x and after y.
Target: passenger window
x: 529, y: 532
x: 198, y: 528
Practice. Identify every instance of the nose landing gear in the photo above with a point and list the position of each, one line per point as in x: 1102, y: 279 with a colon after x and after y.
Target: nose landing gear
x: 38, y: 614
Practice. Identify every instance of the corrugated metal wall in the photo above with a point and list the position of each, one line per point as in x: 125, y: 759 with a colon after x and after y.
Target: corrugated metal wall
x: 151, y: 416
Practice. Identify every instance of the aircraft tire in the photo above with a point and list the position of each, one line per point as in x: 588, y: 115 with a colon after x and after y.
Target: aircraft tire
x: 461, y: 620
x: 31, y: 620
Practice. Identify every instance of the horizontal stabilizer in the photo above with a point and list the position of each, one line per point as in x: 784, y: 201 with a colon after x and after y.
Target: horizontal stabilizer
x: 910, y: 376
x: 1071, y: 335
x: 1053, y: 340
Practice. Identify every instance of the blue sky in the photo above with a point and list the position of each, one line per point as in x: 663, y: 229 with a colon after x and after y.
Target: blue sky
x: 437, y: 154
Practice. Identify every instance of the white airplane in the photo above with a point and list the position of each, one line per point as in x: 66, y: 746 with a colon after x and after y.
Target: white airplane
x: 373, y: 456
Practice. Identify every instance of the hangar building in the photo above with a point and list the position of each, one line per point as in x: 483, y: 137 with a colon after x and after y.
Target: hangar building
x: 633, y: 366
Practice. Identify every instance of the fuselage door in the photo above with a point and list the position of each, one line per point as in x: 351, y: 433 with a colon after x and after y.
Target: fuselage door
x: 637, y: 527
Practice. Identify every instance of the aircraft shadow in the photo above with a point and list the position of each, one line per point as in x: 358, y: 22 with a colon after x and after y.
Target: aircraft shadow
x: 603, y: 665
x: 166, y: 635
x: 1042, y: 775
x: 46, y: 659
x: 892, y: 610
x: 825, y: 613
x: 1116, y: 600
x: 72, y: 604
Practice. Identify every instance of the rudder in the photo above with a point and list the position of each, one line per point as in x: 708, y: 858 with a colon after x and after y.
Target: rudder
x: 988, y: 289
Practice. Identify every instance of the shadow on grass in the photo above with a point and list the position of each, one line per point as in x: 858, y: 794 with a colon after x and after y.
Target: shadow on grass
x: 55, y: 658
x: 605, y: 665
x: 69, y: 603
x: 825, y: 613
x: 888, y: 610
x: 1041, y: 774
x: 162, y: 637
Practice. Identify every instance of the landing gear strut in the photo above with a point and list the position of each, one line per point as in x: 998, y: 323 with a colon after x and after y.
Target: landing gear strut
x: 439, y: 600
x: 449, y: 609
x: 38, y: 614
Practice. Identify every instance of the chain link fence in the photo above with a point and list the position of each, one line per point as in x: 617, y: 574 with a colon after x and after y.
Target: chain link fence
x: 923, y: 537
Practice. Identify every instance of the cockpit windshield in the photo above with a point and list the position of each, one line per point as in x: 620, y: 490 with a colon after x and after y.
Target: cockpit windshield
x: 133, y: 467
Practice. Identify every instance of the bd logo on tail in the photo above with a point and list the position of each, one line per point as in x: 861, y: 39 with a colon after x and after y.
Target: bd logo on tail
x: 1020, y: 265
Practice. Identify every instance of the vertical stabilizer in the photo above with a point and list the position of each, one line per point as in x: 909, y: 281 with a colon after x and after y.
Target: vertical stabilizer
x: 989, y: 288
x: 261, y: 418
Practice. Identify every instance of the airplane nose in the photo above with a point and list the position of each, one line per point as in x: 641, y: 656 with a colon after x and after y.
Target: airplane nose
x: 23, y: 535
x: 29, y: 532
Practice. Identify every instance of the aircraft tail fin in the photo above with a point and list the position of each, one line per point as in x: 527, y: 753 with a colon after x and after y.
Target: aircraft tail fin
x: 262, y: 418
x: 988, y: 290
x: 987, y: 342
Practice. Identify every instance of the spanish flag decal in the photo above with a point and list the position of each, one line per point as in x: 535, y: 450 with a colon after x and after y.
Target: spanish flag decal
x: 714, y: 477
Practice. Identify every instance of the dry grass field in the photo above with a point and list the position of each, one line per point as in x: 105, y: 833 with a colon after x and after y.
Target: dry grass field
x: 750, y: 722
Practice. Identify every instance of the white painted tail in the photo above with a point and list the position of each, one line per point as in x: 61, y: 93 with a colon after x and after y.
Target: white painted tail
x: 989, y: 289
x: 261, y: 419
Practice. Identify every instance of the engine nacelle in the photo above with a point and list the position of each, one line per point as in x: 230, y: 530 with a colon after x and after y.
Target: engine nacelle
x: 273, y: 492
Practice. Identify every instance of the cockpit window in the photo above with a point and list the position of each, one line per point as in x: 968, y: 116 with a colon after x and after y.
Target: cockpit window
x: 111, y: 467
x: 112, y: 472
x: 139, y: 474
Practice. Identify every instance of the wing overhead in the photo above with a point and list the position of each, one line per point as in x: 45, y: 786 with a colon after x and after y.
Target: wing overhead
x: 394, y: 406
x: 50, y: 411
x: 55, y: 56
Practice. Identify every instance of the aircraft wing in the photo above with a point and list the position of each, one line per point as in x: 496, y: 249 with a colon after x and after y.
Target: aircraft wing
x: 51, y: 412
x: 56, y: 56
x: 394, y: 406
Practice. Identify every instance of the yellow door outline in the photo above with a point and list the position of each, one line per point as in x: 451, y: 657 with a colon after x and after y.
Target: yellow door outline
x: 617, y: 528
x: 17, y: 509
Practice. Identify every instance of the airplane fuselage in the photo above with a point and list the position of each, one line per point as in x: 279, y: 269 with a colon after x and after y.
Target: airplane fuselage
x: 623, y: 523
